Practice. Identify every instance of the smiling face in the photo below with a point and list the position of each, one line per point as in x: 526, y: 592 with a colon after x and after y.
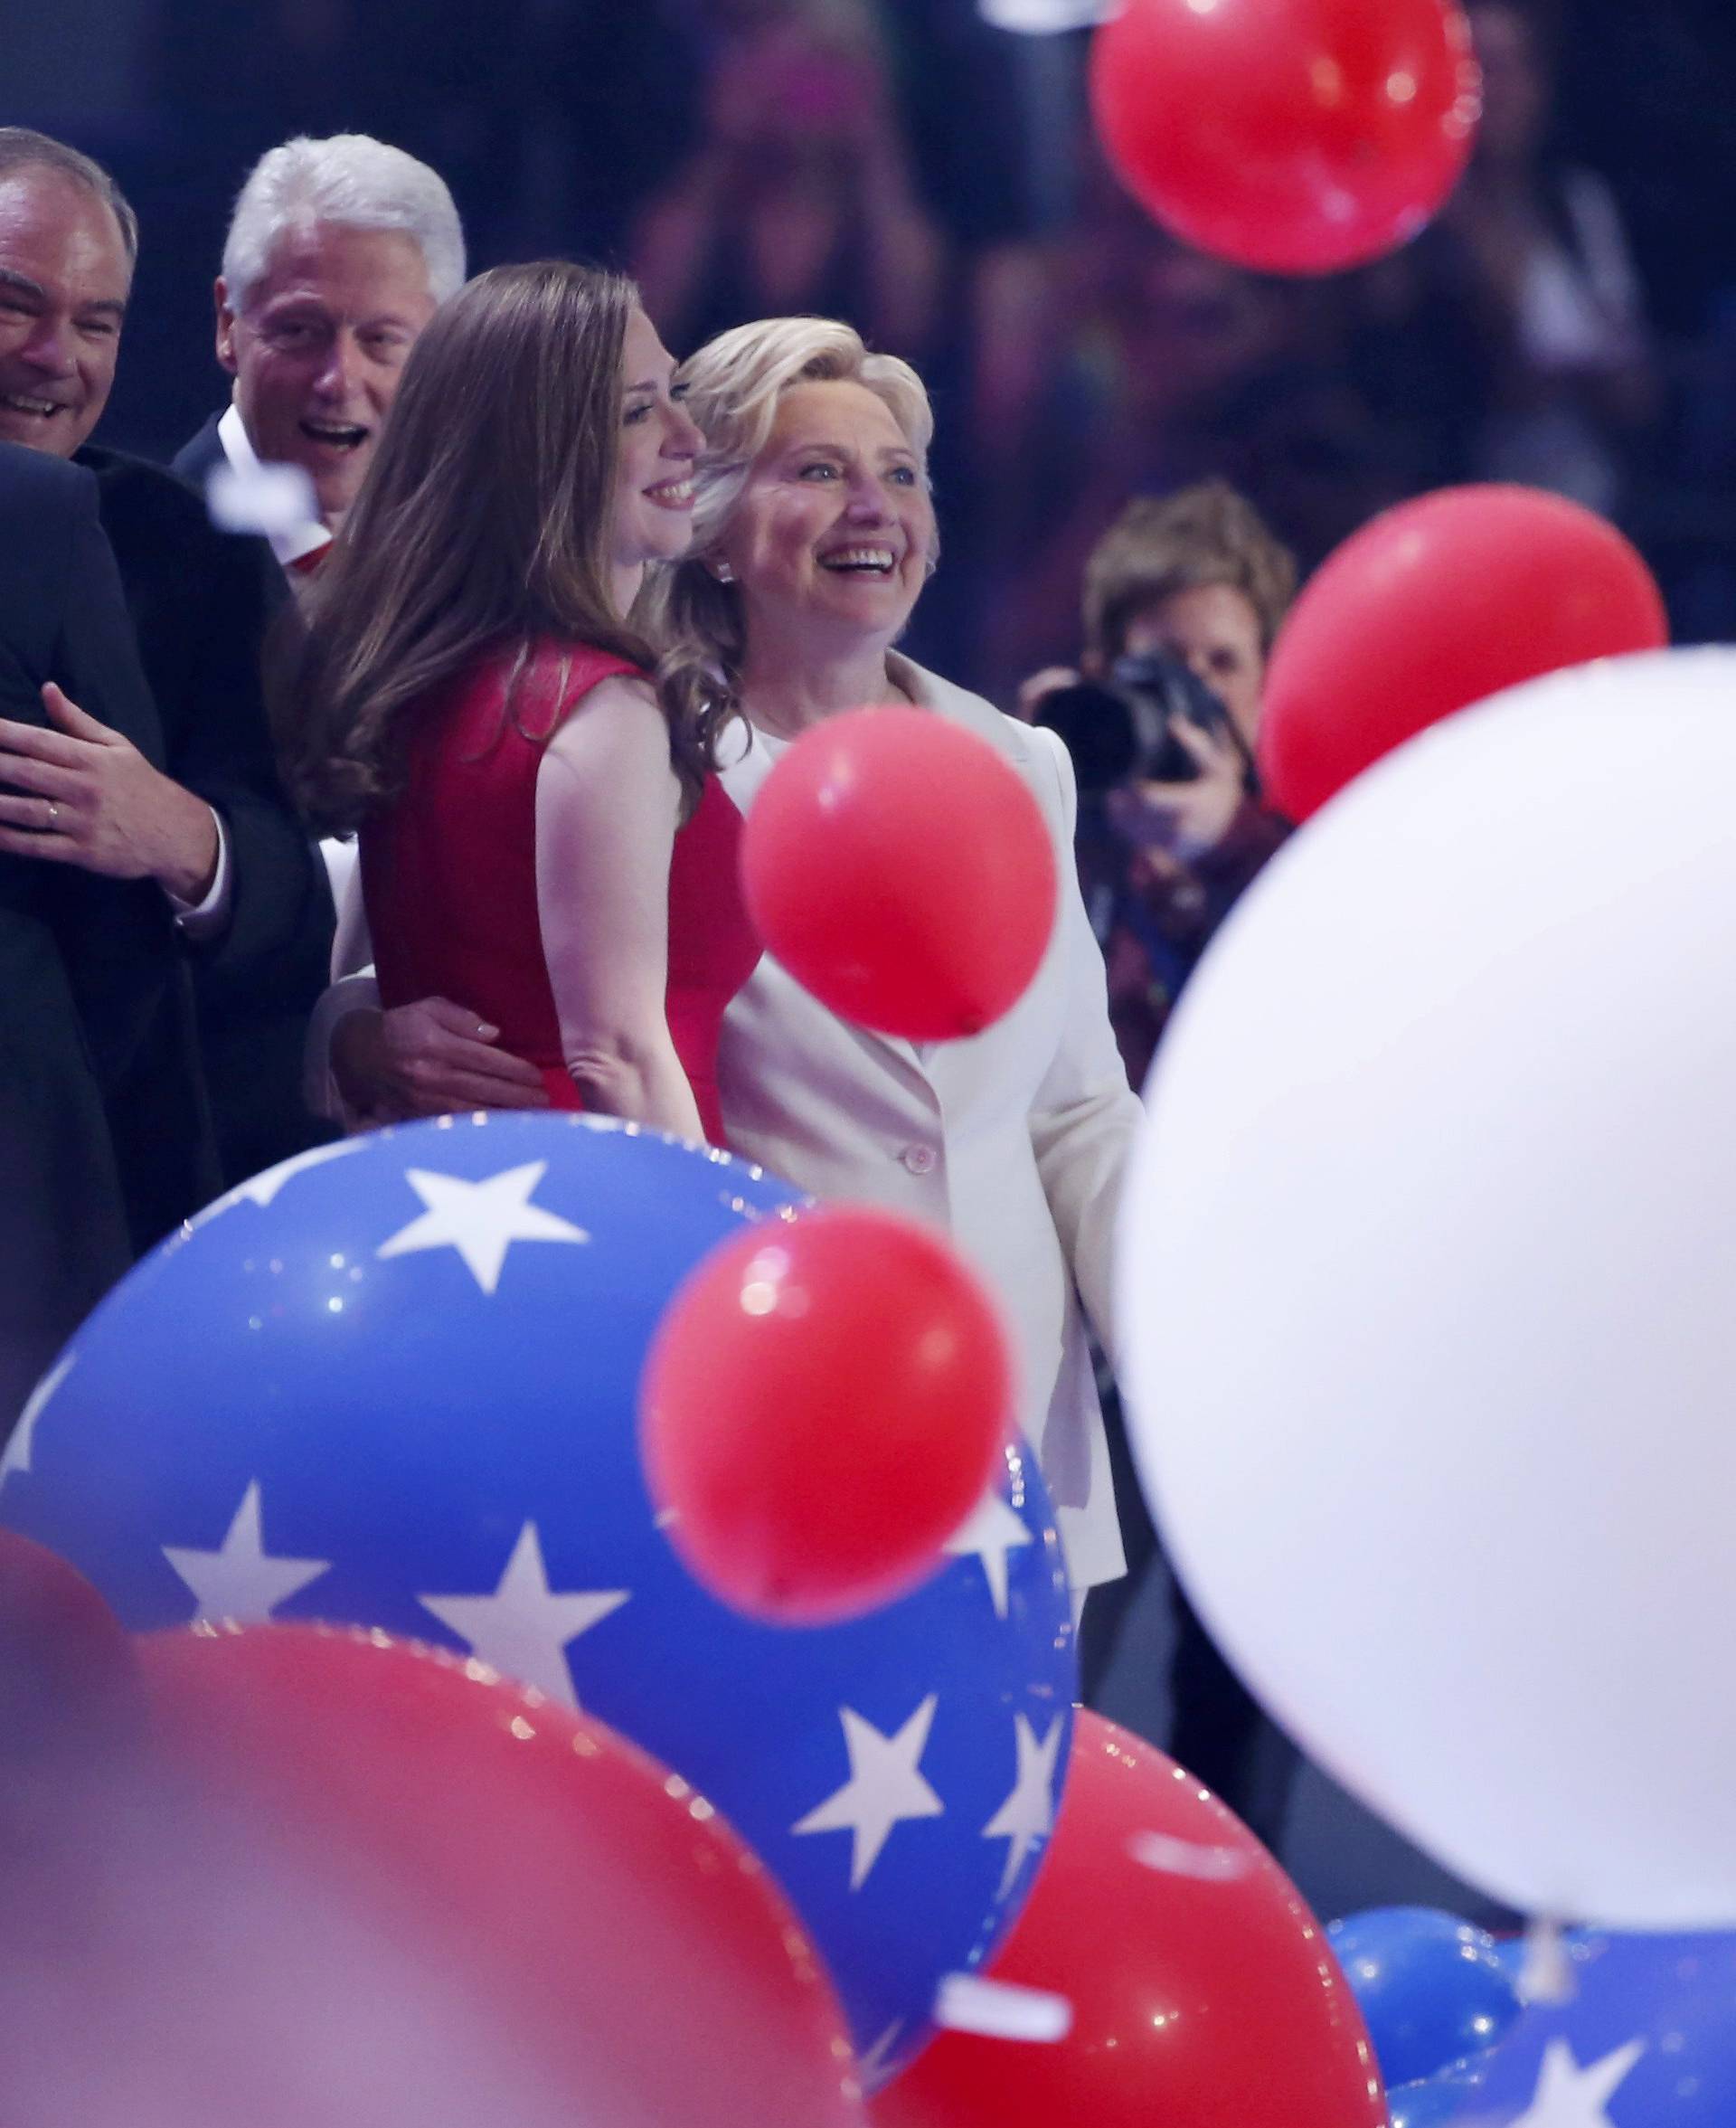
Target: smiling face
x: 64, y: 279
x: 832, y: 531
x: 654, y: 479
x: 317, y: 352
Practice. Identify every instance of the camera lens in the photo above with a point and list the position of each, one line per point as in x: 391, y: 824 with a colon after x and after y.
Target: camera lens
x: 1098, y: 729
x: 1166, y: 692
x: 1125, y: 727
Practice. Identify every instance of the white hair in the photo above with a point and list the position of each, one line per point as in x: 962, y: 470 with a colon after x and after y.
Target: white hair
x: 354, y: 181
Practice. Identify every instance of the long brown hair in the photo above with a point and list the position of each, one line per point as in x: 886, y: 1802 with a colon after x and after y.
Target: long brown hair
x: 484, y: 521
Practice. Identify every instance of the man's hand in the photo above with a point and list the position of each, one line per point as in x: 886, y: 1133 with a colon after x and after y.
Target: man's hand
x: 1185, y: 819
x: 429, y: 1059
x: 81, y: 794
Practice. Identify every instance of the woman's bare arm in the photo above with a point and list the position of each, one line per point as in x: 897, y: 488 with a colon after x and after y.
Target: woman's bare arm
x: 608, y: 803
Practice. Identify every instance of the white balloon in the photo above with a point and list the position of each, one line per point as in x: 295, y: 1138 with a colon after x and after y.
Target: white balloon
x: 1428, y: 1259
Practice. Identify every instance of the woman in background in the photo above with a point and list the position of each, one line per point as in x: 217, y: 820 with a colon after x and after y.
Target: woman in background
x: 1195, y: 576
x: 814, y: 535
x: 800, y: 195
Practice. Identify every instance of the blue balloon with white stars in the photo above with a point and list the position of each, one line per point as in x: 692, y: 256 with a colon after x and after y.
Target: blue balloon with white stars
x: 1433, y: 2101
x: 1432, y: 1988
x: 1647, y: 2040
x: 394, y: 1383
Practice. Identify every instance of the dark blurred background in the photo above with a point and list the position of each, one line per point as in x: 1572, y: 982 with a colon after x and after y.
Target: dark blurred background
x: 931, y: 176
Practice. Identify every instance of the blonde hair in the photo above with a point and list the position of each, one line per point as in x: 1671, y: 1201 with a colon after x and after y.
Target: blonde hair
x: 735, y: 385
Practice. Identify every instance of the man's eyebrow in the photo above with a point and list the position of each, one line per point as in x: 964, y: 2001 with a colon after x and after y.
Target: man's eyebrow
x: 10, y: 279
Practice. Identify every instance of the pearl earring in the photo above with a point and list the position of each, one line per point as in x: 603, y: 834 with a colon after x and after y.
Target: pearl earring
x: 723, y: 572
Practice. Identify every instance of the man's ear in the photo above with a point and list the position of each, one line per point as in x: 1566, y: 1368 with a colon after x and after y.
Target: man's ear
x: 225, y: 327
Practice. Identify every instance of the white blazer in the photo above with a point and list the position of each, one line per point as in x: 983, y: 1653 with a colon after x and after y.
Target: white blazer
x: 1013, y: 1141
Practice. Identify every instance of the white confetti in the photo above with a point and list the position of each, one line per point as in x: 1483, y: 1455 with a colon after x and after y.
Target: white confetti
x: 267, y: 499
x: 1171, y: 1857
x: 996, y: 2009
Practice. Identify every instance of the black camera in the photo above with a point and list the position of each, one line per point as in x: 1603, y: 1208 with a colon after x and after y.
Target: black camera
x: 1123, y: 727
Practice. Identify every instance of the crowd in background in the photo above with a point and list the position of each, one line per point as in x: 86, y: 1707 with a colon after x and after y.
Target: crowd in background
x: 1571, y: 319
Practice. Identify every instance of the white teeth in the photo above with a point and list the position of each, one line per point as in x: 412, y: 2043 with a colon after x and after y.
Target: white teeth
x: 672, y: 491
x: 30, y: 406
x: 880, y: 558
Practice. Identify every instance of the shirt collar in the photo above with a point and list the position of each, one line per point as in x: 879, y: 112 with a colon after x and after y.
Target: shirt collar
x: 238, y: 449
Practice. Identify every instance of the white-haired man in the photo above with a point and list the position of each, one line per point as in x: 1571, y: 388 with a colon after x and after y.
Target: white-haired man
x: 339, y: 253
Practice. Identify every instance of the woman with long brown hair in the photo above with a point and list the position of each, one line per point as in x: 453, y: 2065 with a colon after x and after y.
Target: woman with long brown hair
x: 540, y: 837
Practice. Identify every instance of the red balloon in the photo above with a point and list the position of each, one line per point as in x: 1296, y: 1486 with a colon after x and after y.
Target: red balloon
x: 372, y: 1885
x: 1433, y: 606
x: 1291, y: 136
x: 1201, y: 1988
x: 900, y: 870
x: 823, y: 1406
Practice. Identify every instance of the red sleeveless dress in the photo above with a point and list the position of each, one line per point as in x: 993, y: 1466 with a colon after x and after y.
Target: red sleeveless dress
x: 448, y: 876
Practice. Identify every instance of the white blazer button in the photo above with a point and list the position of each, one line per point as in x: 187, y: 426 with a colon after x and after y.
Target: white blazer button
x: 918, y: 1158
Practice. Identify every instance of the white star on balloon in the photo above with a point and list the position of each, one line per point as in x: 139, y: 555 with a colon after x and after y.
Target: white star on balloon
x: 23, y: 1434
x: 1028, y: 1814
x: 1569, y: 2096
x: 992, y: 1532
x: 240, y: 1580
x: 874, y: 2067
x: 263, y: 1188
x: 480, y: 1220
x: 522, y: 1628
x: 884, y: 1787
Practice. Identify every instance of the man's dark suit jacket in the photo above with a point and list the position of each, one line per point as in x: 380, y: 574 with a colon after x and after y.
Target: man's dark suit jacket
x: 201, y: 455
x: 203, y: 603
x: 95, y: 1011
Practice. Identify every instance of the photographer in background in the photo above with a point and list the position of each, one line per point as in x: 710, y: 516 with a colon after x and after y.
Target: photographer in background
x: 1184, y: 596
x: 1183, y: 599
